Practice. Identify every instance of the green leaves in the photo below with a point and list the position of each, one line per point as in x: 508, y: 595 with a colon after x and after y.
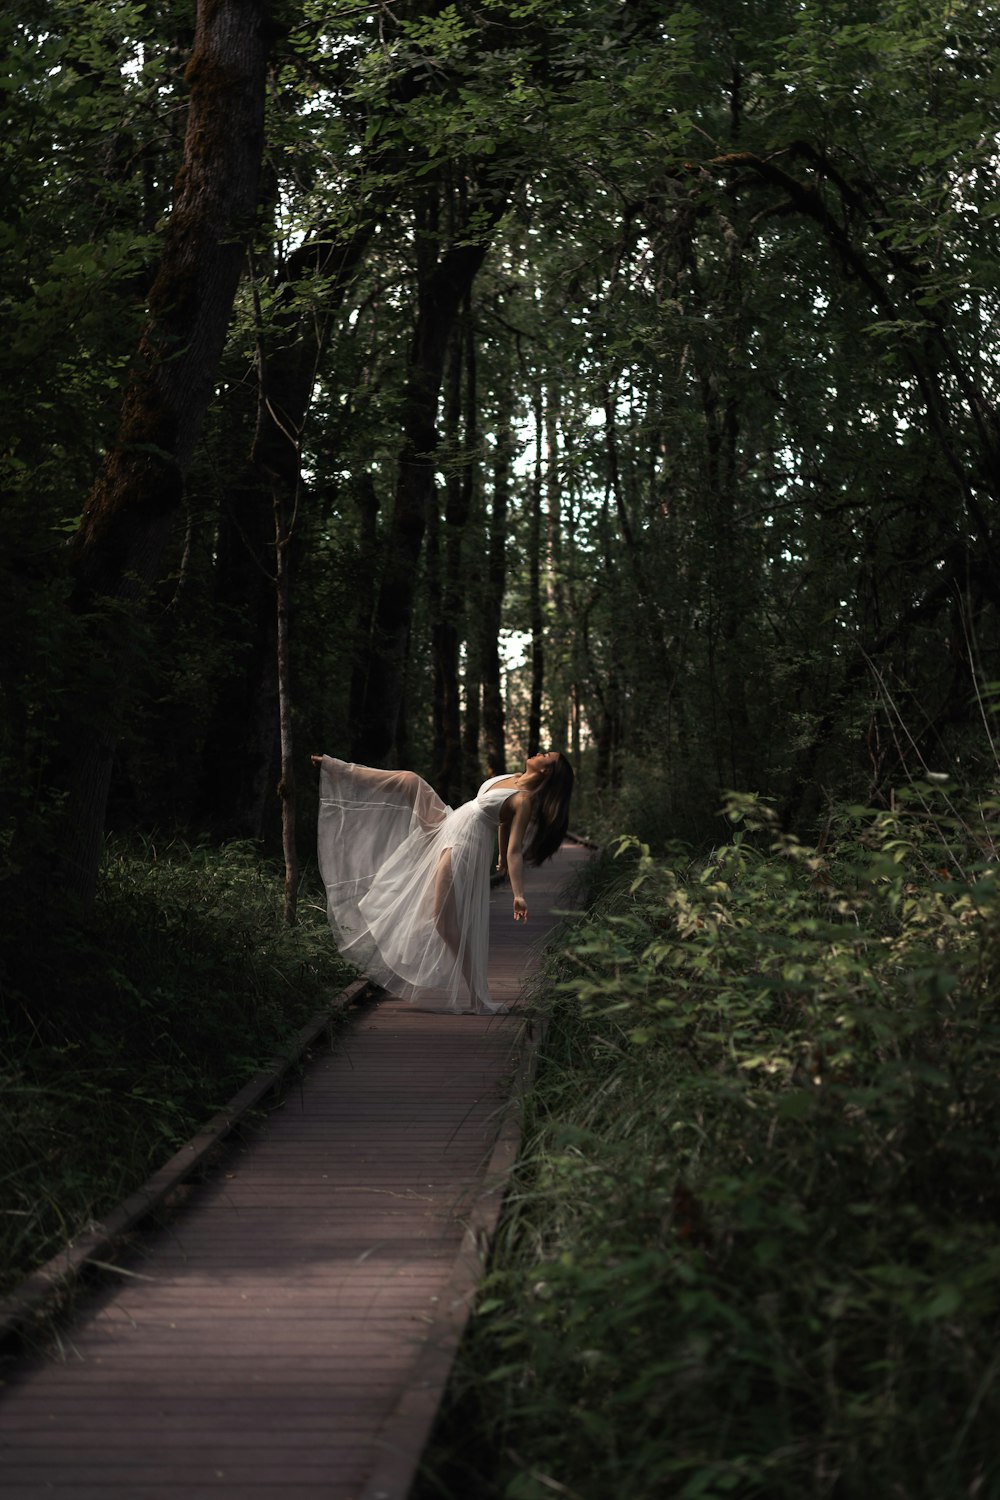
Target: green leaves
x: 123, y: 1058
x: 752, y: 1233
x: 439, y: 37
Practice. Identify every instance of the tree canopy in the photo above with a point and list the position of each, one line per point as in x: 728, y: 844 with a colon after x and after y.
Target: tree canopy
x: 614, y: 377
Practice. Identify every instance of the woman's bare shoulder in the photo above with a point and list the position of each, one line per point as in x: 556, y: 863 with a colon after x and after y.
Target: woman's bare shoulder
x: 517, y: 802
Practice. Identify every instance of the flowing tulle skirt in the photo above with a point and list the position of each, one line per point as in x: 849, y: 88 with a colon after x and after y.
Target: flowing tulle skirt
x: 407, y: 883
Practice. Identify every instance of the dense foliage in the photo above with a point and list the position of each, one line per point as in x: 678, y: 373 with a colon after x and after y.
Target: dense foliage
x: 187, y: 984
x: 618, y: 376
x: 751, y: 1247
x: 656, y: 338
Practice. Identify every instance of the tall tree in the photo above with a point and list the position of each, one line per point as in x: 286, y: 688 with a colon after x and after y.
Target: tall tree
x: 536, y: 608
x: 449, y: 258
x: 495, y: 583
x: 131, y: 508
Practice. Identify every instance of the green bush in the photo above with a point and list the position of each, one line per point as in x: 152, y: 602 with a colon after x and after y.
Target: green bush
x: 119, y: 1041
x: 751, y: 1246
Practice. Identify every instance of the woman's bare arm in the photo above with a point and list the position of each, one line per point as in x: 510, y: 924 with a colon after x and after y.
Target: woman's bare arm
x: 503, y: 837
x: 515, y: 859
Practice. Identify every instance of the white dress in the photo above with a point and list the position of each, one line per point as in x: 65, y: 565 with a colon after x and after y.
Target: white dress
x: 407, y: 881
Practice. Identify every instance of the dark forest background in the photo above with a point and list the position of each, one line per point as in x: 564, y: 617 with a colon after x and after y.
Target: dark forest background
x: 618, y: 378
x: 430, y: 383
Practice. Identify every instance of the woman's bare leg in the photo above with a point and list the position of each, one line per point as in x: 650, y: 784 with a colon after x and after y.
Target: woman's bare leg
x: 446, y: 917
x: 445, y: 909
x: 447, y: 923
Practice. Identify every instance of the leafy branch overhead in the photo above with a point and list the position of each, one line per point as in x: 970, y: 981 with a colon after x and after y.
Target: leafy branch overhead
x: 682, y: 316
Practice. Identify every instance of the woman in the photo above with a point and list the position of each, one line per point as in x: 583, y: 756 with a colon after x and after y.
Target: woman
x: 407, y: 878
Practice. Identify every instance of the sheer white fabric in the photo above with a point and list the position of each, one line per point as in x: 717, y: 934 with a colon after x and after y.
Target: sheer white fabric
x: 407, y: 881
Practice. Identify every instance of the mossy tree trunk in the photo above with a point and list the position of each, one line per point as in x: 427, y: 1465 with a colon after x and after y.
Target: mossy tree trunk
x: 135, y: 498
x: 291, y: 346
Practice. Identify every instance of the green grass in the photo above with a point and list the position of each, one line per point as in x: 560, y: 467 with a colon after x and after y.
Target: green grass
x: 751, y: 1246
x: 120, y: 1041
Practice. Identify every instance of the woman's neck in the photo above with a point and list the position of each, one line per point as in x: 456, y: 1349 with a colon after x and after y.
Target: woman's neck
x: 530, y: 781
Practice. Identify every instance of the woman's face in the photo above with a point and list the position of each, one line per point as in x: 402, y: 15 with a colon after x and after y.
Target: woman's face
x: 541, y: 762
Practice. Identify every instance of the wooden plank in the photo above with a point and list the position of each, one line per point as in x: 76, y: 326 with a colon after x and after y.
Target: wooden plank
x: 290, y: 1330
x: 405, y: 1434
x: 51, y: 1280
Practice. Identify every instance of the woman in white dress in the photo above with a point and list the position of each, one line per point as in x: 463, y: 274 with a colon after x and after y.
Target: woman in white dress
x: 407, y: 877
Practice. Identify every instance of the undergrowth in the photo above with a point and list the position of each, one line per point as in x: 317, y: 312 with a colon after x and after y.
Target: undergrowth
x: 751, y: 1245
x: 118, y: 1042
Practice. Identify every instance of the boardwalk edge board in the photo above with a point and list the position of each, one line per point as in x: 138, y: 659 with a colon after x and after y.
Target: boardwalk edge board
x: 404, y: 1435
x: 36, y: 1297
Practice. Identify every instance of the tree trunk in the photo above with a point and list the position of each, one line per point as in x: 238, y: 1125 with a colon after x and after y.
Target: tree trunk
x: 442, y: 284
x: 535, y: 611
x: 554, y: 589
x: 232, y: 795
x: 435, y: 595
x: 472, y: 727
x: 446, y: 760
x: 465, y: 575
x: 494, y: 729
x: 291, y: 347
x: 366, y: 499
x: 449, y: 628
x: 283, y: 531
x: 131, y: 508
x: 608, y: 738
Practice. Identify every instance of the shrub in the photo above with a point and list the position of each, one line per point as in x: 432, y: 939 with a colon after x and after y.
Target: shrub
x: 751, y: 1245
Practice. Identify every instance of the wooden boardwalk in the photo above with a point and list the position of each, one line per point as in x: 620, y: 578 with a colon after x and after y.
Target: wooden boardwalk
x: 288, y: 1332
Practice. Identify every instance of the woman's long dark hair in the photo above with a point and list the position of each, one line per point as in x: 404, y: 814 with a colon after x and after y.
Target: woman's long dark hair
x: 550, y: 813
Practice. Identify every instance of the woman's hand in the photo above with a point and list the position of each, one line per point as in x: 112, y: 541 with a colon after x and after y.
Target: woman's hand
x: 317, y: 760
x: 501, y: 866
x: 520, y: 909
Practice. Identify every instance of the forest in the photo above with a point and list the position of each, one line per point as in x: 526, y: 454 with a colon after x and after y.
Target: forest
x: 428, y: 384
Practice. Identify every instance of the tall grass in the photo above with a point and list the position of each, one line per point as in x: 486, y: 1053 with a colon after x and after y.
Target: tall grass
x: 751, y: 1248
x: 118, y: 1042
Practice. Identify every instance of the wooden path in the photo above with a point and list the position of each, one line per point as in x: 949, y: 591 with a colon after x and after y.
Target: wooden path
x: 288, y: 1333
